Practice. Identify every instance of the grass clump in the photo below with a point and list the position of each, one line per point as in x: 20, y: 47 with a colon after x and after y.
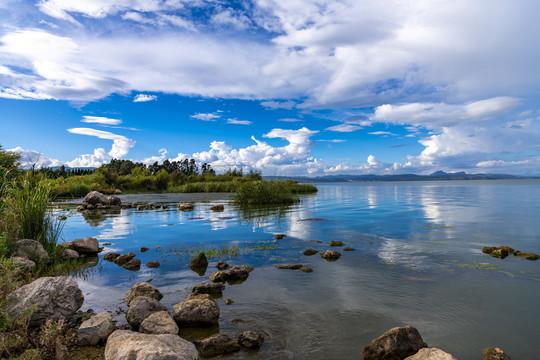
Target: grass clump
x: 270, y: 192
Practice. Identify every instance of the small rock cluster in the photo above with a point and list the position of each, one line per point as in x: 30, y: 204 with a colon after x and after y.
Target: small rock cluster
x: 503, y: 251
x: 87, y: 247
x: 129, y: 261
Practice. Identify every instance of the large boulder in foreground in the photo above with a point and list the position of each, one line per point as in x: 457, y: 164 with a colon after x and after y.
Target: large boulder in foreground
x: 431, y: 354
x: 53, y: 298
x: 96, y: 329
x: 33, y: 250
x: 129, y: 345
x: 142, y: 289
x: 395, y: 344
x: 196, y: 312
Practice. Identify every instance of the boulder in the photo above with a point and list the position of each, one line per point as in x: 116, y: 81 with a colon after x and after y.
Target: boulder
x: 198, y: 296
x: 218, y: 207
x: 94, y: 198
x: 196, y: 312
x: 309, y: 252
x: 153, y: 264
x: 331, y: 255
x: 209, y: 288
x: 185, y: 207
x: 431, y: 354
x: 53, y: 298
x: 140, y: 308
x: 159, y: 322
x: 33, y: 250
x: 69, y: 254
x: 250, y: 340
x: 111, y: 256
x: 395, y: 344
x: 96, y: 329
x: 88, y: 245
x: 279, y: 236
x: 23, y: 263
x: 144, y: 249
x: 222, y: 265
x: 199, y: 261
x: 290, y: 267
x: 129, y: 345
x: 133, y: 265
x: 142, y: 289
x: 336, y: 243
x: 124, y: 258
x: 238, y: 273
x: 218, y: 344
x: 494, y: 354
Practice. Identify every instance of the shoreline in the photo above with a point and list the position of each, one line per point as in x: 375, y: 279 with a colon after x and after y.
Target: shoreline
x: 161, y: 198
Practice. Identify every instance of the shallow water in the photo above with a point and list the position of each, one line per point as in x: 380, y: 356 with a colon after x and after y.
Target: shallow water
x: 418, y: 261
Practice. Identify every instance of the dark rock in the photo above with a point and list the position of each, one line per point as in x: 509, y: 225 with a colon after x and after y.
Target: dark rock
x: 237, y: 273
x: 309, y: 252
x: 69, y: 254
x: 96, y: 200
x: 142, y: 289
x: 141, y: 207
x: 159, y: 323
x: 164, y: 207
x: 124, y: 258
x: 144, y: 249
x: 53, y: 298
x: 153, y: 264
x: 348, y: 249
x: 291, y: 267
x: 96, y: 329
x: 198, y: 262
x: 495, y: 354
x: 209, y: 288
x: 185, y: 207
x: 218, y: 207
x: 199, y: 296
x: 247, y: 268
x: 219, y: 276
x: 88, y: 245
x: 140, y: 308
x: 33, y: 250
x: 196, y: 313
x: 431, y: 354
x: 228, y: 301
x: 129, y: 345
x: 331, y: 255
x: 395, y: 344
x: 106, y: 244
x: 306, y: 269
x: 111, y: 256
x: 222, y: 265
x: 218, y: 344
x: 528, y: 256
x: 62, y: 218
x: 133, y: 265
x: 250, y: 340
x: 336, y: 243
x: 279, y: 236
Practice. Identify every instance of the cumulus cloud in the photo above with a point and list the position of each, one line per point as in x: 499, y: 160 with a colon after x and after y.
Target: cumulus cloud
x: 98, y: 158
x: 35, y: 159
x: 121, y: 144
x: 144, y: 98
x: 159, y: 158
x: 206, y: 117
x: 100, y: 120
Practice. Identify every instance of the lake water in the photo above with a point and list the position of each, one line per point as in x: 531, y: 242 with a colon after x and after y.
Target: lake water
x: 418, y: 261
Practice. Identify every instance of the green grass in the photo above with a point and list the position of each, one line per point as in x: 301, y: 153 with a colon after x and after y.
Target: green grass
x: 270, y: 192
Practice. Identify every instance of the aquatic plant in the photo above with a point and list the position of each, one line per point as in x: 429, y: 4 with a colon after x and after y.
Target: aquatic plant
x: 270, y: 192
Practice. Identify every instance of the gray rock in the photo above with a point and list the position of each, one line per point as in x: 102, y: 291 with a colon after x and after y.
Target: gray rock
x: 222, y: 265
x: 218, y: 276
x: 88, y: 245
x: 111, y: 256
x: 218, y: 344
x: 52, y: 298
x: 196, y: 312
x: 153, y: 264
x: 140, y: 308
x: 237, y: 273
x: 33, y: 250
x: 395, y: 344
x: 133, y: 265
x: 185, y: 207
x: 431, y: 354
x: 250, y: 340
x: 142, y: 289
x: 96, y: 329
x: 69, y: 254
x: 124, y: 258
x: 159, y: 323
x: 94, y: 198
x: 209, y: 288
x: 129, y: 345
x: 23, y: 263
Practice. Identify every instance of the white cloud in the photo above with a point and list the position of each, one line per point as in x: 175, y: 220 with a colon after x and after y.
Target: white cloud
x: 239, y: 122
x: 230, y: 17
x: 387, y: 133
x: 332, y: 141
x: 206, y: 117
x: 98, y: 158
x: 278, y: 104
x: 121, y: 144
x: 35, y: 159
x: 160, y: 158
x: 291, y: 120
x: 344, y: 128
x: 144, y: 98
x: 100, y: 120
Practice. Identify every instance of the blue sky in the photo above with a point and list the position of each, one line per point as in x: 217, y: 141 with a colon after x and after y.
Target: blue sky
x: 287, y: 87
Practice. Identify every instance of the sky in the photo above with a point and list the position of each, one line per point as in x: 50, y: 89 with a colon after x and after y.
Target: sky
x: 287, y: 87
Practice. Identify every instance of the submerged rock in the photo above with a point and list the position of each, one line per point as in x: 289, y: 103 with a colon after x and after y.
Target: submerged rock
x: 218, y: 344
x: 56, y: 298
x: 336, y: 243
x: 124, y: 258
x: 494, y: 354
x: 250, y: 340
x: 309, y: 252
x: 129, y: 345
x: 209, y: 288
x: 218, y: 207
x: 185, y: 207
x: 228, y: 301
x: 331, y: 255
x: 348, y: 249
x: 222, y: 265
x: 306, y: 269
x: 142, y: 289
x: 96, y: 329
x: 153, y: 264
x: 431, y: 354
x: 291, y: 267
x: 133, y: 265
x: 144, y: 249
x: 528, y: 256
x: 397, y: 343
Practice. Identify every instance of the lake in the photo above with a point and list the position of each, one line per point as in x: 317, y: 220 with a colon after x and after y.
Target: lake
x: 418, y: 261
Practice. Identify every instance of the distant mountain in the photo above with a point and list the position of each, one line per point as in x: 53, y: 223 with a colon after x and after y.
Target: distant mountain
x: 438, y: 175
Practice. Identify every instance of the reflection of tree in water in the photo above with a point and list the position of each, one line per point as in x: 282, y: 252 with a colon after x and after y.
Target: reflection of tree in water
x: 96, y: 217
x: 259, y: 215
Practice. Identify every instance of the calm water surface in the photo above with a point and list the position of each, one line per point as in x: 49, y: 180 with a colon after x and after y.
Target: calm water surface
x: 418, y: 261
